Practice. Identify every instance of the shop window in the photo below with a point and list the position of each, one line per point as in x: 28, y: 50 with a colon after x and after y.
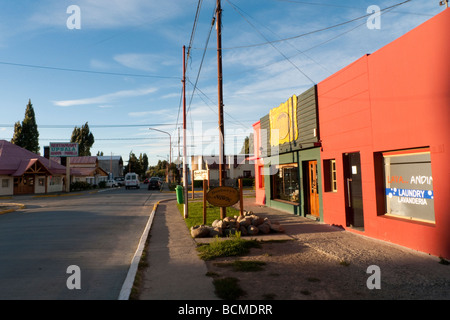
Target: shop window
x: 330, y: 176
x: 54, y: 181
x: 406, y: 185
x: 286, y: 183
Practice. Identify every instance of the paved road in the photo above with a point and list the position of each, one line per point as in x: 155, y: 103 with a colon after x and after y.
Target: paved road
x: 98, y: 232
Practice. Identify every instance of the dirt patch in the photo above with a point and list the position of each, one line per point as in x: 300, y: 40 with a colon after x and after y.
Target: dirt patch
x: 315, y: 261
x: 294, y: 270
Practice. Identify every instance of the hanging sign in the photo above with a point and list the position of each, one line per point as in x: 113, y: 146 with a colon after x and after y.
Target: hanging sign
x: 223, y: 196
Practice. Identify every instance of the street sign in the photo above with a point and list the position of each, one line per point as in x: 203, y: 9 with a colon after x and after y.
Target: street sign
x: 223, y: 196
x: 63, y: 149
x: 200, y: 174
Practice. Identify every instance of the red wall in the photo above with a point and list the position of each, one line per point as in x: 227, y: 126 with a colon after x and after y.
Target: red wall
x: 260, y: 193
x: 396, y: 98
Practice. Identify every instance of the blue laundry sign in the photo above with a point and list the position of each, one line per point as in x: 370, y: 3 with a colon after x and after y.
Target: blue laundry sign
x: 409, y: 184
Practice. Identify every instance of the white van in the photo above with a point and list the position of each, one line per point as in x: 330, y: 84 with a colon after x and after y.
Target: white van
x: 132, y: 181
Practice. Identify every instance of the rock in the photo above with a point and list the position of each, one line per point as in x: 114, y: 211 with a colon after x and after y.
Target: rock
x: 252, y: 230
x: 275, y: 226
x: 200, y: 231
x: 264, y: 228
x: 257, y: 221
x: 215, y: 232
x: 243, y: 230
x: 245, y: 222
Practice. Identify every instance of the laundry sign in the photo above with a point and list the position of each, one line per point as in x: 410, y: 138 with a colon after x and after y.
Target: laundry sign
x: 63, y: 149
x: 409, y: 184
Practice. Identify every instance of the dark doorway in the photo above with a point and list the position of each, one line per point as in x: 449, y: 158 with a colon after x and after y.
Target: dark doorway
x: 353, y: 190
x: 24, y: 185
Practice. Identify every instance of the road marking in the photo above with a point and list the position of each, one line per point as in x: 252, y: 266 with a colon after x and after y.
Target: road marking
x: 129, y: 280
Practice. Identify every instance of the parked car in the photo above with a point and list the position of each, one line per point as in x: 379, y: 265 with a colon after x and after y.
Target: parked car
x: 132, y: 181
x: 111, y: 184
x: 154, y: 183
x: 120, y: 181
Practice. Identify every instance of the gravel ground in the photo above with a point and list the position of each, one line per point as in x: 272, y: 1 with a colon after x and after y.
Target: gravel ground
x: 313, y: 261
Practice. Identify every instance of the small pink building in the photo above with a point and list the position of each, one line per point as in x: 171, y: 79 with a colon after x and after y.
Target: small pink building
x: 24, y: 172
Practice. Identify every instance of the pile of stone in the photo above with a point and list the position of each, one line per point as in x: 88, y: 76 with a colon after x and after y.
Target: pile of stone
x: 248, y: 225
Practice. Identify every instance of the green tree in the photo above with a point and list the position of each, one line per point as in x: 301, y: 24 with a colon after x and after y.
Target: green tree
x: 247, y: 147
x: 133, y: 164
x: 26, y: 135
x: 17, y: 137
x: 143, y: 160
x: 85, y: 139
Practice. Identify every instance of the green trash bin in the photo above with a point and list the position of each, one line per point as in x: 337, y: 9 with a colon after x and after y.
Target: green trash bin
x: 179, y: 192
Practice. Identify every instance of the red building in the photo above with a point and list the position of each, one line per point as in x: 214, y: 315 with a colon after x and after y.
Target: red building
x: 260, y: 193
x: 385, y: 128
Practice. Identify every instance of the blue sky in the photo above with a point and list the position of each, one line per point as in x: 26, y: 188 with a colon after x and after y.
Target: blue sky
x: 130, y: 55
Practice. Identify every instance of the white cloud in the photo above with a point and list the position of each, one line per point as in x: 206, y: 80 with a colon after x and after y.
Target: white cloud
x: 106, y: 98
x: 110, y: 13
x: 144, y: 62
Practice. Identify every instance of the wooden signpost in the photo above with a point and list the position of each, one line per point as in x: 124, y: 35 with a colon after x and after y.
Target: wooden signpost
x: 222, y: 197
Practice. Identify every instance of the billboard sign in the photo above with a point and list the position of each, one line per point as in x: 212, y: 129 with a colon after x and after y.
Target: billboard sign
x: 63, y: 149
x: 200, y: 174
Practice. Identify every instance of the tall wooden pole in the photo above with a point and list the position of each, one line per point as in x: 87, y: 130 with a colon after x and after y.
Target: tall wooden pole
x: 220, y: 96
x: 185, y: 182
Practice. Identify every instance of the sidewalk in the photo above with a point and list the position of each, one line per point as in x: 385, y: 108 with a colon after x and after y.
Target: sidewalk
x: 175, y: 272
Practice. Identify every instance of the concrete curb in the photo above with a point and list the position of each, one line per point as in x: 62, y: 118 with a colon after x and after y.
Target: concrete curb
x: 129, y: 280
x: 18, y: 205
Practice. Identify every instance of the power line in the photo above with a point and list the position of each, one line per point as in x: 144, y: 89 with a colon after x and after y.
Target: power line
x: 271, y: 43
x: 194, y: 28
x: 201, y: 63
x: 328, y: 4
x: 314, y: 31
x: 85, y: 71
x: 64, y: 126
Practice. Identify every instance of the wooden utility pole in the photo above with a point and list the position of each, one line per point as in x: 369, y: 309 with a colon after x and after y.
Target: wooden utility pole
x: 220, y: 96
x: 185, y: 184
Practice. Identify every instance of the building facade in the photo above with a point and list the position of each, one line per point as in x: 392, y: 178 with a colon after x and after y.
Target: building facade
x: 382, y: 152
x: 87, y: 169
x: 287, y: 157
x: 24, y: 172
x: 384, y: 122
x: 111, y: 164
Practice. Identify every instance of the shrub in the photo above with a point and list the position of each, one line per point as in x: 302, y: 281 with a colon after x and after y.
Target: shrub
x: 80, y: 185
